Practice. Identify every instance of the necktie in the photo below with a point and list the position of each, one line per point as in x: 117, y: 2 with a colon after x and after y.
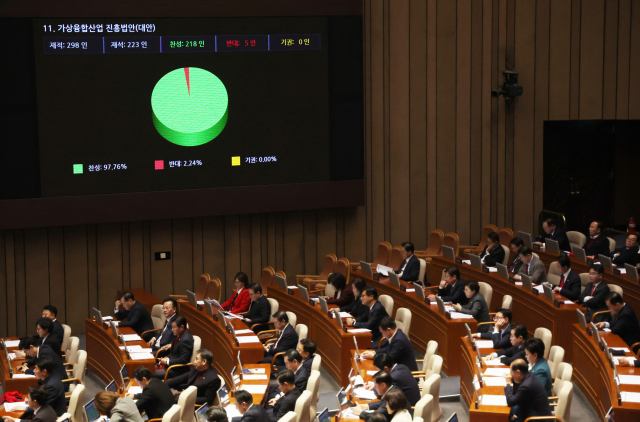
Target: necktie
x: 276, y: 343
x: 233, y: 300
x: 562, y: 281
x: 593, y: 289
x: 527, y: 272
x: 515, y: 262
x: 403, y: 265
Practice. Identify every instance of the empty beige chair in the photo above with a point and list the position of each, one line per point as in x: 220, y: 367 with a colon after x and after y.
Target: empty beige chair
x: 172, y: 415
x: 563, y: 409
x: 418, y: 419
x: 329, y: 266
x: 387, y: 302
x: 302, y: 330
x: 507, y: 251
x: 615, y: 288
x: 486, y: 291
x: 303, y: 404
x: 576, y: 238
x: 612, y: 245
x: 274, y: 305
x: 293, y: 319
x: 507, y: 301
x: 584, y: 280
x: 423, y: 408
x: 317, y: 362
x: 313, y: 386
x: 432, y: 349
x: 187, y: 403
x: 216, y: 401
x: 76, y: 405
x: 423, y: 270
x: 556, y: 356
x: 289, y: 417
x: 66, y: 338
x: 432, y: 386
x: 71, y: 352
x: 403, y: 320
x: 545, y: 335
x: 77, y: 373
x: 433, y: 367
x: 563, y: 376
x: 554, y: 274
x: 157, y: 316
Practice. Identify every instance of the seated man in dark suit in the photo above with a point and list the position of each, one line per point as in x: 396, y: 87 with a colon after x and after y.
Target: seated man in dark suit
x: 202, y: 376
x: 570, y: 284
x: 370, y: 320
x: 525, y: 393
x: 553, y: 232
x: 382, y: 384
x: 356, y: 308
x: 44, y: 327
x: 179, y: 352
x: 259, y: 309
x: 293, y: 362
x: 57, y: 330
x: 501, y: 334
x: 451, y: 289
x: 287, y: 340
x: 53, y: 384
x: 401, y: 376
x: 138, y: 318
x: 596, y: 243
x: 396, y: 344
x: 515, y: 245
x: 156, y: 397
x: 625, y: 321
x: 628, y: 254
x: 36, y: 351
x: 164, y: 336
x: 595, y: 292
x: 410, y: 268
x: 493, y: 252
x: 344, y: 292
x: 37, y: 401
x: 519, y: 336
x: 307, y: 349
x: 250, y: 412
x: 286, y: 402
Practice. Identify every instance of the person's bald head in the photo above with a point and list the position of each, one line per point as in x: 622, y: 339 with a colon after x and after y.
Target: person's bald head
x: 519, y: 370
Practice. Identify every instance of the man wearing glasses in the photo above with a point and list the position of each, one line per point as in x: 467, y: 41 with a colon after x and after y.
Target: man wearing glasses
x: 164, y: 337
x: 595, y: 292
x: 501, y: 334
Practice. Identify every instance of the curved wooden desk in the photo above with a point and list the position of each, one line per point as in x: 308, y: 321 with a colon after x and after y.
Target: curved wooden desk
x: 20, y: 385
x: 427, y: 323
x: 534, y: 311
x: 104, y: 356
x: 333, y: 344
x: 594, y: 376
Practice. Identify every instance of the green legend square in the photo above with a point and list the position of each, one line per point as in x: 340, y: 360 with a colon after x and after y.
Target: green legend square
x: 77, y: 169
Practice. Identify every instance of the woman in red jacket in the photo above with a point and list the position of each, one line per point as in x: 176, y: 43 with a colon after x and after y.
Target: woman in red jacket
x: 240, y: 300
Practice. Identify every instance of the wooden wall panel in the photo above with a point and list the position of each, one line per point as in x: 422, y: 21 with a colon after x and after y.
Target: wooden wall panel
x: 3, y: 287
x: 21, y: 285
x: 36, y: 274
x: 161, y: 282
x: 634, y: 62
x: 57, y: 294
x: 610, y: 59
x: 75, y: 277
x: 182, y: 257
x: 623, y: 47
x: 109, y: 264
x: 559, y: 59
x: 591, y: 59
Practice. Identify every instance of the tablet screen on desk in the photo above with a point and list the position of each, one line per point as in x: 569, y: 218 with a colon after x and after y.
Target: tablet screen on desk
x: 112, y: 387
x: 453, y: 418
x: 324, y: 415
x: 201, y: 413
x: 91, y: 412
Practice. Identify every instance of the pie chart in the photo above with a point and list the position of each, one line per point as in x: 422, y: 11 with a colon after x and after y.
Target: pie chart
x: 190, y: 106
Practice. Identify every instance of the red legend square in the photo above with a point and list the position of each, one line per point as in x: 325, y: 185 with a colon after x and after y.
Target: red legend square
x: 159, y: 164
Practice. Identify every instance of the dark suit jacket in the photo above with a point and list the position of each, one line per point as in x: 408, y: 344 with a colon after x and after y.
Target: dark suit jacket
x: 496, y: 256
x: 454, y: 294
x: 600, y: 246
x: 288, y: 341
x: 478, y: 308
x: 165, y: 335
x: 381, y: 407
x: 57, y: 331
x: 404, y: 380
x: 51, y: 341
x: 346, y: 297
x: 627, y: 256
x: 259, y: 312
x: 625, y: 325
x: 45, y: 414
x: 530, y: 397
x: 307, y: 363
x: 411, y: 270
x: 181, y: 352
x: 511, y: 354
x: 55, y: 390
x: 58, y: 365
x: 138, y: 318
x: 302, y: 378
x: 400, y: 350
x: 371, y: 320
x: 559, y: 236
x: 207, y: 386
x: 597, y: 302
x: 156, y: 399
x: 356, y: 309
x: 572, y: 286
x: 285, y: 404
x: 502, y: 339
x: 256, y: 413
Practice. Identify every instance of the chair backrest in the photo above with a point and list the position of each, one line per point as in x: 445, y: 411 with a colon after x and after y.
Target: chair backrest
x: 556, y: 356
x: 197, y: 344
x: 214, y: 289
x: 343, y: 267
x: 64, y: 417
x: 563, y: 410
x: 434, y: 366
x: 435, y: 242
x: 423, y: 269
x: 293, y: 319
x: 507, y: 251
x: 453, y: 241
x: 267, y: 278
x: 187, y: 403
x: 615, y: 288
x: 423, y: 408
x: 486, y: 291
x: 172, y: 415
x: 201, y: 290
x: 612, y: 245
x: 395, y: 259
x: 329, y: 266
x: 545, y: 335
x: 387, y: 302
x: 313, y: 386
x: 317, y: 362
x: 584, y: 280
x: 72, y: 351
x: 66, y: 338
x: 329, y: 290
x: 382, y: 254
x: 506, y: 234
x: 554, y: 269
x: 432, y: 386
x: 274, y: 306
x: 507, y: 300
x: 303, y: 404
x: 564, y: 374
x: 76, y: 404
x: 432, y: 349
x: 216, y: 401
x: 302, y: 330
x: 157, y: 316
x: 80, y: 365
x: 418, y: 419
x: 489, y: 228
x: 289, y: 417
x: 403, y: 320
x: 576, y: 238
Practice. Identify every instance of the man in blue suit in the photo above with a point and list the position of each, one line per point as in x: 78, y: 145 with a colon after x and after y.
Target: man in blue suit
x: 628, y: 254
x: 401, y: 376
x: 396, y: 344
x: 451, y: 289
x: 138, y: 318
x: 570, y: 285
x: 370, y: 320
x: 410, y: 268
x: 525, y: 393
x: 164, y: 336
x: 553, y: 232
x: 501, y: 334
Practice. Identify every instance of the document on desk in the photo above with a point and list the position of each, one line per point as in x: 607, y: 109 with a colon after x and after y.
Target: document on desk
x: 494, y: 400
x: 134, y: 389
x: 466, y: 261
x: 630, y: 397
x: 630, y: 360
x: 364, y: 394
x: 494, y: 382
x: 254, y: 377
x: 248, y: 339
x: 384, y: 270
x: 254, y: 389
x: 23, y: 376
x: 141, y: 356
x: 244, y: 332
x: 623, y: 349
x: 12, y: 343
x: 134, y: 348
x: 629, y: 379
x: 229, y: 315
x: 494, y: 362
x: 622, y: 270
x: 342, y: 315
x: 518, y: 283
x: 540, y: 289
x: 484, y: 344
x: 15, y: 407
x: 131, y: 337
x: 460, y: 315
x: 232, y: 411
x: 359, y: 330
x: 200, y: 302
x: 493, y: 269
x: 12, y: 356
x: 410, y: 290
x: 497, y: 372
x: 372, y: 373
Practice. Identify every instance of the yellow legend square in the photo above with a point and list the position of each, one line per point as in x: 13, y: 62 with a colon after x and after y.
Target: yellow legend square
x: 235, y: 161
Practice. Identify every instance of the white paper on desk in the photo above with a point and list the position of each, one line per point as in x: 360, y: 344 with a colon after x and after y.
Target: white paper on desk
x: 131, y: 337
x: 449, y: 308
x: 342, y: 315
x: 292, y: 287
x: 384, y: 270
x: 14, y: 407
x: 539, y: 288
x: 12, y: 356
x: 606, y: 330
x: 359, y: 330
x: 497, y: 372
x: 623, y: 271
x: 494, y: 362
x: 567, y: 302
x: 493, y: 269
x: 248, y: 339
x: 518, y: 283
x: 364, y: 394
x: 460, y: 315
x: 595, y: 263
x: 466, y: 261
x: 141, y: 356
x: 628, y: 396
x: 12, y: 343
x: 232, y: 411
x: 494, y: 382
x: 630, y: 360
x: 231, y: 316
x: 493, y: 400
x: 433, y: 303
x: 23, y: 376
x: 254, y: 370
x: 410, y: 290
x: 316, y: 299
x: 484, y: 344
x: 348, y: 414
x: 254, y: 389
x: 371, y: 373
x: 116, y: 323
x: 244, y: 332
x: 624, y: 349
x: 108, y: 318
x: 134, y: 389
x: 134, y: 348
x: 200, y: 302
x: 254, y: 377
x: 357, y: 380
x: 629, y: 379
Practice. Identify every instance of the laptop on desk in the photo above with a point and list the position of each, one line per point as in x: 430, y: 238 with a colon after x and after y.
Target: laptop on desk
x: 419, y: 291
x: 579, y: 253
x: 632, y: 272
x: 548, y: 293
x: 552, y: 246
x: 441, y: 307
x: 366, y: 268
x: 281, y: 282
x: 323, y: 305
x: 526, y: 238
x: 97, y: 315
x: 606, y: 263
x: 394, y: 280
x: 476, y: 261
x: 503, y: 271
x: 582, y: 319
x: 192, y: 298
x: 449, y: 253
x: 526, y: 282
